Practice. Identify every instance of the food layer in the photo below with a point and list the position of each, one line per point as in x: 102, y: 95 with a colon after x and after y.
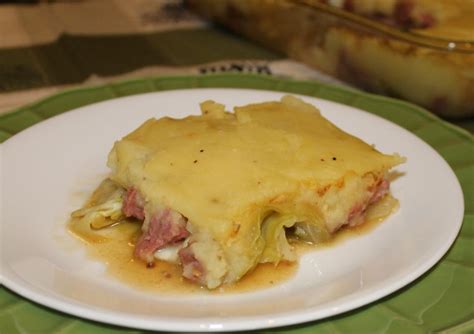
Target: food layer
x: 222, y: 192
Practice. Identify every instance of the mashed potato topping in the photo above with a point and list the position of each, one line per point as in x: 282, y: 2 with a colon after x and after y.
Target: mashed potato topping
x: 222, y: 192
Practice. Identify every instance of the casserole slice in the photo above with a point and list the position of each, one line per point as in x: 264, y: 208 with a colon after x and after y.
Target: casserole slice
x: 222, y: 192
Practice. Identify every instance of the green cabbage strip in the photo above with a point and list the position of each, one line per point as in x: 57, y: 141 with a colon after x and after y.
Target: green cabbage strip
x: 277, y: 247
x: 107, y: 209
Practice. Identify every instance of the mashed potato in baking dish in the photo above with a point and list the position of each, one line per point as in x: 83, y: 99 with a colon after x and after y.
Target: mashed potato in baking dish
x: 222, y: 192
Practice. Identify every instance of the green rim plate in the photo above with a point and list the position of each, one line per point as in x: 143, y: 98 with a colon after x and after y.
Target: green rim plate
x: 442, y: 300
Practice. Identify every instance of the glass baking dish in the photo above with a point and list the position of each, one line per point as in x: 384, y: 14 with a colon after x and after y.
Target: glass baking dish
x: 418, y: 50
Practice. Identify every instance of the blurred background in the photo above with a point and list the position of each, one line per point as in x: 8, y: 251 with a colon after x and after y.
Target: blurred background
x: 416, y: 50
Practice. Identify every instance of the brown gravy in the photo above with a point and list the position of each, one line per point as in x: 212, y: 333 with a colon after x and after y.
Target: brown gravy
x: 114, y: 247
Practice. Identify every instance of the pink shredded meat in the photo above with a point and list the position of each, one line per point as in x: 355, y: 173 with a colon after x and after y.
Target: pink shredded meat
x: 133, y: 204
x: 165, y: 228
x: 380, y: 191
x: 192, y: 268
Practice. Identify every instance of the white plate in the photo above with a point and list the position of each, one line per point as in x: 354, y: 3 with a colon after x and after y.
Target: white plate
x: 48, y: 170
